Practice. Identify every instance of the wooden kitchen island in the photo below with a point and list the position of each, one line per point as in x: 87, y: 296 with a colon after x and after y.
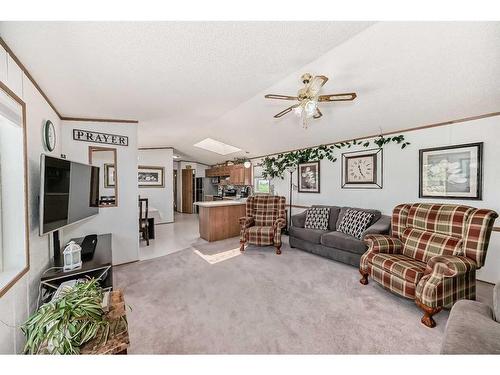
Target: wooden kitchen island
x: 220, y: 219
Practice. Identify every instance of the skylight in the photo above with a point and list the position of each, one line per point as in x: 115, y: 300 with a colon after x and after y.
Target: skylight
x: 216, y: 146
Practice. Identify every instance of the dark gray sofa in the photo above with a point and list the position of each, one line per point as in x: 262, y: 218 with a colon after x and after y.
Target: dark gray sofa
x: 473, y: 327
x: 330, y: 243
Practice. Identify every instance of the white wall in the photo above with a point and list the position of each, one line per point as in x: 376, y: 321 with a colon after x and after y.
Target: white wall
x: 20, y: 300
x: 401, y: 178
x: 121, y: 221
x: 160, y: 198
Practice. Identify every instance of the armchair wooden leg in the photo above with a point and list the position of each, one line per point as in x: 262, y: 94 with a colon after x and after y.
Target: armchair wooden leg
x: 242, y: 246
x: 278, y: 249
x: 364, y: 277
x: 428, y: 313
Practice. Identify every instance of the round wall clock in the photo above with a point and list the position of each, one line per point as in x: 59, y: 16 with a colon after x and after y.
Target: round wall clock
x: 49, y: 135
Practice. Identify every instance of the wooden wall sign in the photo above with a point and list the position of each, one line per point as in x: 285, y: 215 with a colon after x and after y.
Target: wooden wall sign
x: 96, y: 137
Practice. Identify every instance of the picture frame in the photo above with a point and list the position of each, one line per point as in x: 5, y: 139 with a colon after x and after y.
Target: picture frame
x: 451, y: 172
x: 308, y: 177
x: 362, y: 169
x: 151, y: 177
x: 109, y: 176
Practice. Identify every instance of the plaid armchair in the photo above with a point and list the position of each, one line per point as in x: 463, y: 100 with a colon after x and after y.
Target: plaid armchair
x: 432, y: 255
x: 265, y: 217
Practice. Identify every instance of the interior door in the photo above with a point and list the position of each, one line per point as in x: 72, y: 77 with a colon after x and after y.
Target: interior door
x: 187, y: 191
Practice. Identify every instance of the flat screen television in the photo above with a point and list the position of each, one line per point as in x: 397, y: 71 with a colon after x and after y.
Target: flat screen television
x: 69, y: 193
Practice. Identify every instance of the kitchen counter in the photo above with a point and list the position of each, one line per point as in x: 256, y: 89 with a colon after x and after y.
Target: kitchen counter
x: 220, y: 203
x: 220, y: 219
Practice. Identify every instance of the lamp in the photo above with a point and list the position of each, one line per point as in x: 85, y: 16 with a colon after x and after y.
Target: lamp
x: 247, y: 164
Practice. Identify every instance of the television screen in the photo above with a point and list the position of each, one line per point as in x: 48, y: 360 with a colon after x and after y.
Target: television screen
x: 69, y: 193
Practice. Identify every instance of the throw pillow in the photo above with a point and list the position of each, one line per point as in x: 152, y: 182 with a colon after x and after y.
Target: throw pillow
x: 317, y: 218
x: 355, y: 222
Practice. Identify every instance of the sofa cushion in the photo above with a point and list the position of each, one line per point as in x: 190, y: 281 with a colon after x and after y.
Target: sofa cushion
x: 311, y: 235
x: 400, y: 265
x: 355, y: 222
x: 334, y: 215
x: 317, y: 218
x: 448, y: 219
x: 344, y: 242
x: 343, y: 210
x: 422, y: 245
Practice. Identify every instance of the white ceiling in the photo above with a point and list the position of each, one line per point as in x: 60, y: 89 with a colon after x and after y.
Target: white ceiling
x: 188, y: 81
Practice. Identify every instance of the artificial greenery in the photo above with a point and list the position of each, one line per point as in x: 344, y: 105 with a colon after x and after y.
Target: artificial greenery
x: 63, y: 325
x: 275, y: 166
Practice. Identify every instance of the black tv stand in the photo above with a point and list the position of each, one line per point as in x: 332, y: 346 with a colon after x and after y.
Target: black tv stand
x: 99, y: 267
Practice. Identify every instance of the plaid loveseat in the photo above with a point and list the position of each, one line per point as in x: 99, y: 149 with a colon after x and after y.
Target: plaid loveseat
x: 264, y: 220
x: 432, y: 255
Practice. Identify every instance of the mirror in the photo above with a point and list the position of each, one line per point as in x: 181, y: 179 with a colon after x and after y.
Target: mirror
x: 14, y: 244
x: 105, y: 159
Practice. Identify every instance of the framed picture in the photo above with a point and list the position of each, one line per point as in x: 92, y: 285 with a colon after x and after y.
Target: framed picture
x: 453, y: 172
x: 151, y: 177
x: 362, y: 169
x: 109, y: 176
x: 308, y: 176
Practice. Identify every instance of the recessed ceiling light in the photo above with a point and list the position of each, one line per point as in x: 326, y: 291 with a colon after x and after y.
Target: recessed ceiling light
x: 216, y: 146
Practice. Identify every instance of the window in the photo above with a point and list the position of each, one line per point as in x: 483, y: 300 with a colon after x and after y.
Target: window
x: 13, y: 213
x: 262, y: 186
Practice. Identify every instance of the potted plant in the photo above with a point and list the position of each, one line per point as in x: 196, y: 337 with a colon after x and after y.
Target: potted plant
x: 66, y: 323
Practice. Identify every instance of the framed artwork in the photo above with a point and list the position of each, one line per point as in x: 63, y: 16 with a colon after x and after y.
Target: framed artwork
x: 109, y: 176
x: 308, y: 176
x: 151, y: 177
x: 362, y: 169
x: 453, y: 172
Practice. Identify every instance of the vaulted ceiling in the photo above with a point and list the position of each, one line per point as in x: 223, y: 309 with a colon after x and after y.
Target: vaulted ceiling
x: 187, y: 81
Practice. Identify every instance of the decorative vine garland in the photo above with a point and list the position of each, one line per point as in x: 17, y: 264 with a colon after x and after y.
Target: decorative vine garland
x: 275, y: 166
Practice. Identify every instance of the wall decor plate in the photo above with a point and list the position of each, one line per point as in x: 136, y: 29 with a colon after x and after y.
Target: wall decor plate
x: 309, y: 178
x: 151, y: 177
x: 453, y: 172
x: 362, y: 169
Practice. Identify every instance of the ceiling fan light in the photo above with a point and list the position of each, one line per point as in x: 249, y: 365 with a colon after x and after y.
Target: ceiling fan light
x: 310, y: 108
x: 298, y: 111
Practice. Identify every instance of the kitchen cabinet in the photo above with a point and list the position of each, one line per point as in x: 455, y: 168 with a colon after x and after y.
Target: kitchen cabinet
x: 237, y: 173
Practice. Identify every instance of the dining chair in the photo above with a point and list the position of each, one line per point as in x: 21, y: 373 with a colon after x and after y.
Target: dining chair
x: 143, y: 219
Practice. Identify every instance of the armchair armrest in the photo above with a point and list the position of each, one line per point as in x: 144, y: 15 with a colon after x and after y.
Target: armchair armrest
x: 246, y: 222
x: 280, y: 223
x: 299, y: 220
x: 450, y: 265
x: 382, y: 226
x: 378, y: 243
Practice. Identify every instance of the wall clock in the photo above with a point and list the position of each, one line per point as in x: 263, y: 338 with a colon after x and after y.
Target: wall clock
x: 49, y: 135
x: 362, y: 169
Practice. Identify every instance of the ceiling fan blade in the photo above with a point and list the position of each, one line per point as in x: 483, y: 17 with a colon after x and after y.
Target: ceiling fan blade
x: 318, y: 113
x: 285, y: 111
x: 316, y: 84
x: 337, y: 97
x: 282, y: 97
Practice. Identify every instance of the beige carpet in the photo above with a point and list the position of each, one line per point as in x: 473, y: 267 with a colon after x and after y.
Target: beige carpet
x: 260, y: 302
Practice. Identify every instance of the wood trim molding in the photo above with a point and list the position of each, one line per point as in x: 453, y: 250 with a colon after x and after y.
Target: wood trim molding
x: 64, y: 118
x: 156, y: 148
x: 61, y: 117
x: 26, y: 268
x: 115, y: 158
x: 427, y: 126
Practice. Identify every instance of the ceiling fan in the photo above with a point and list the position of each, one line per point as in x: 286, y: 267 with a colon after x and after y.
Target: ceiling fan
x: 308, y: 98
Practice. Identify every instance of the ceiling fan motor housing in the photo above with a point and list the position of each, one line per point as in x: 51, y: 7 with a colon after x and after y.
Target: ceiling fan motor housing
x: 306, y: 78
